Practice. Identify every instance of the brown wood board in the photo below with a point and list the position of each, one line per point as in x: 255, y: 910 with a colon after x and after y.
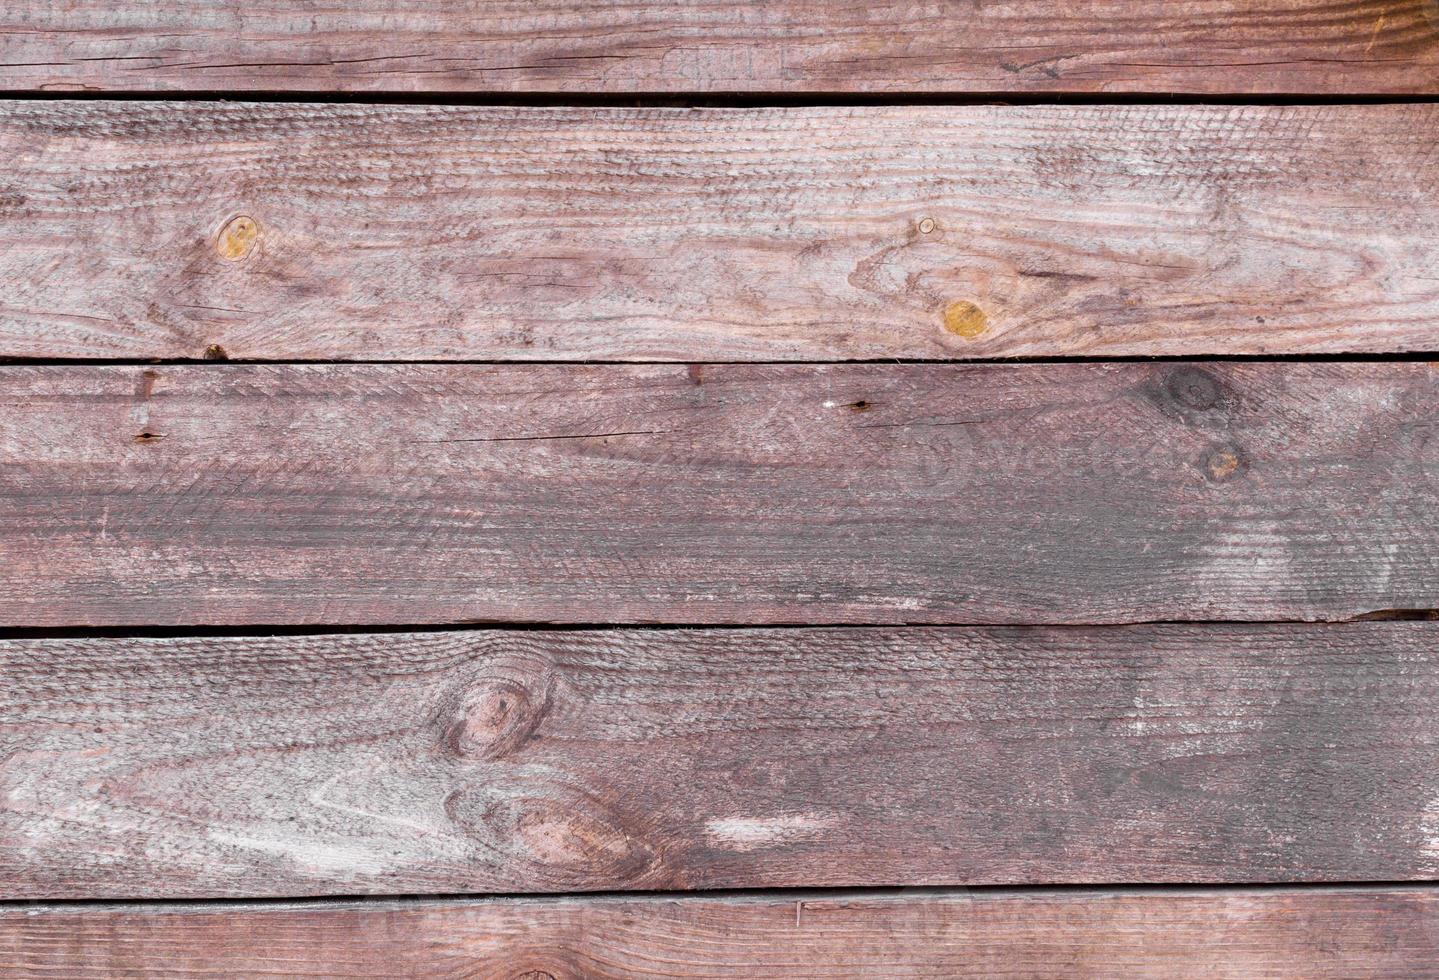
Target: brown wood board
x: 1239, y: 934
x: 533, y: 761
x: 365, y: 232
x: 1309, y: 47
x: 743, y: 494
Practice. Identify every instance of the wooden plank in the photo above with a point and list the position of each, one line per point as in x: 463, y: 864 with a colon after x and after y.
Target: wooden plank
x: 862, y: 493
x: 1202, y: 46
x: 532, y: 761
x: 409, y: 233
x: 1236, y: 933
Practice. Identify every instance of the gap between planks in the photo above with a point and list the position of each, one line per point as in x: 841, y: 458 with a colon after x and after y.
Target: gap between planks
x: 725, y: 100
x: 797, y: 894
x: 1357, y: 357
x: 280, y: 630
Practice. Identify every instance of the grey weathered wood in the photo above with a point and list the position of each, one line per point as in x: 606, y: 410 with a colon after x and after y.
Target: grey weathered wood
x: 1241, y: 934
x: 530, y: 761
x: 858, y: 493
x: 938, y: 232
x: 1214, y: 46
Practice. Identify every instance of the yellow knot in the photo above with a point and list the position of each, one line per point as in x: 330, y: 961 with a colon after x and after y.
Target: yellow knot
x: 1222, y: 464
x: 237, y: 238
x: 964, y: 319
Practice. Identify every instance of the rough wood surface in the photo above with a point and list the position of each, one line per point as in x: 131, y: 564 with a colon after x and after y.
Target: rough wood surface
x: 1205, y: 46
x: 861, y: 493
x: 533, y: 761
x: 402, y: 232
x: 1241, y: 934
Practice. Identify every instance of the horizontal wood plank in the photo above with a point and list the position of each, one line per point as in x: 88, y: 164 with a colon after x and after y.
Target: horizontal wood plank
x: 532, y: 761
x: 1201, y: 46
x: 364, y: 232
x: 862, y: 493
x: 1241, y: 934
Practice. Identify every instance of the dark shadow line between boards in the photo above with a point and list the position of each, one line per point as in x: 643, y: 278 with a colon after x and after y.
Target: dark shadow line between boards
x: 1325, y: 357
x: 784, y: 893
x: 682, y: 99
x: 286, y: 630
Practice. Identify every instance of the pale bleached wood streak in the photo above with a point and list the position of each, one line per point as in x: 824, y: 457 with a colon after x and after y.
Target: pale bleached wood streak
x: 363, y: 232
x: 534, y: 761
x: 861, y: 493
x: 1239, y: 934
x: 1331, y: 47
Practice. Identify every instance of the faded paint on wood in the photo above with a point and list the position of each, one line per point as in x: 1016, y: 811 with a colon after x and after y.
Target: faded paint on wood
x: 1210, y: 46
x: 355, y: 232
x: 370, y: 494
x: 530, y: 761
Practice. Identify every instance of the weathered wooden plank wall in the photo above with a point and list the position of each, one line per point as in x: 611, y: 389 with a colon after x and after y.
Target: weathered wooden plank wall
x: 504, y: 761
x: 1100, y: 46
x: 360, y: 232
x: 676, y: 199
x: 860, y: 493
x: 1241, y: 934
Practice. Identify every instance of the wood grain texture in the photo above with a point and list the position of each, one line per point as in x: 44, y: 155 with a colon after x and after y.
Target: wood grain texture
x: 863, y: 493
x: 532, y: 761
x: 1241, y: 934
x: 358, y: 232
x: 1306, y: 47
